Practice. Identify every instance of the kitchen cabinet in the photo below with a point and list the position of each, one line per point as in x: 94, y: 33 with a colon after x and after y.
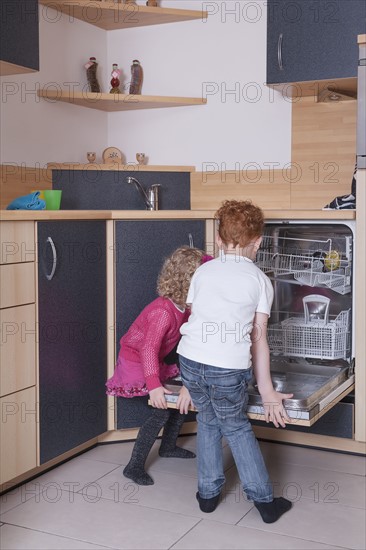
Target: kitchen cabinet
x: 19, y: 37
x: 18, y: 427
x: 313, y: 39
x: 140, y: 249
x: 72, y: 334
x: 110, y: 16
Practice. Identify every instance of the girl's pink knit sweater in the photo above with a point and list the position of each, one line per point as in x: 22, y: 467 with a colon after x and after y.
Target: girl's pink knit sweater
x: 152, y: 336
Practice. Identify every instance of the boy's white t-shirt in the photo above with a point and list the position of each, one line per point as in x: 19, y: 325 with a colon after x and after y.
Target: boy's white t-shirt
x: 225, y: 294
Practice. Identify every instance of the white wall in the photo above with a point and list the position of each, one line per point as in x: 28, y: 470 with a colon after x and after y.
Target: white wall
x: 227, y: 52
x: 36, y: 131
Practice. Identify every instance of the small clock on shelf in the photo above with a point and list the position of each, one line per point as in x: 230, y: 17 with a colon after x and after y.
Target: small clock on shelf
x: 111, y: 155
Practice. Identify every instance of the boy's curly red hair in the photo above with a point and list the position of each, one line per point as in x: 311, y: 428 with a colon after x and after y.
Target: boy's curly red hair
x: 239, y: 222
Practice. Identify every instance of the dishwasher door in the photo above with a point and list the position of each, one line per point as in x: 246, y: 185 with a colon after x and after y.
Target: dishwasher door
x: 310, y: 328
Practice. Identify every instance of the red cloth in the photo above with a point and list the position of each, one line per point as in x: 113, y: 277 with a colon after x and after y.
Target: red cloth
x: 150, y: 338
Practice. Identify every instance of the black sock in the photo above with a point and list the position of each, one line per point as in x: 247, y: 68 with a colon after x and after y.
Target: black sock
x: 168, y: 447
x: 137, y: 474
x: 148, y: 432
x: 272, y: 511
x: 208, y: 505
x: 177, y: 452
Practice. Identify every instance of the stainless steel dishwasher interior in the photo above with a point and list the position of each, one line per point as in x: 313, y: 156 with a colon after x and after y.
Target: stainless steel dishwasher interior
x: 310, y: 328
x: 308, y: 382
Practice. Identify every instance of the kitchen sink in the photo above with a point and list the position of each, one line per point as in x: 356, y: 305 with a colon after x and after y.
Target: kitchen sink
x: 309, y: 383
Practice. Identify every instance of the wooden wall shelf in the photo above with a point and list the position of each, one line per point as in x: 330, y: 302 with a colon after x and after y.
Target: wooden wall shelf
x: 114, y: 166
x: 119, y: 102
x: 110, y: 16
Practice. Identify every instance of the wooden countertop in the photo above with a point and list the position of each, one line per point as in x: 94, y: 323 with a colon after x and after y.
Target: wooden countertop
x: 43, y: 215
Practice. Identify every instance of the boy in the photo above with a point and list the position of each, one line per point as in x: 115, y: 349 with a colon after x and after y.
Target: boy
x: 224, y: 338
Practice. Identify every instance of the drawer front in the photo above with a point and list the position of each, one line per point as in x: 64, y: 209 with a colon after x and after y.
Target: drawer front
x: 17, y: 285
x: 18, y: 434
x: 17, y: 349
x: 17, y: 242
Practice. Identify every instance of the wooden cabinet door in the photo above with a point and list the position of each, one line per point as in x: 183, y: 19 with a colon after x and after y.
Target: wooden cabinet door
x: 313, y: 39
x: 18, y: 434
x: 141, y: 247
x: 72, y: 334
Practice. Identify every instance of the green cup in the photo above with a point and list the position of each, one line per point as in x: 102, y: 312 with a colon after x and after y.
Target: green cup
x: 52, y: 198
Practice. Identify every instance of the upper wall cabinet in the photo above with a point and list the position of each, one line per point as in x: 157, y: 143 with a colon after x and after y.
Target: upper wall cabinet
x: 111, y: 15
x: 19, y: 37
x: 310, y: 40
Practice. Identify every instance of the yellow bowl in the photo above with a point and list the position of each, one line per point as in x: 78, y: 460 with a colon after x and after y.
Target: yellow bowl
x: 41, y: 193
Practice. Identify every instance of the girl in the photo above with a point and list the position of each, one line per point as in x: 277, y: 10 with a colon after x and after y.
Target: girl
x: 141, y: 370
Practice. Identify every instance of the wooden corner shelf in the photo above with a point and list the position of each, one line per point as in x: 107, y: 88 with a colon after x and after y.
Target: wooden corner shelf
x: 118, y: 102
x: 117, y: 167
x: 110, y: 16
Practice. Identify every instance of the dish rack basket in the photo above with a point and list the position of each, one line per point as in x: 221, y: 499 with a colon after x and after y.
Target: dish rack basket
x: 310, y: 262
x: 314, y: 334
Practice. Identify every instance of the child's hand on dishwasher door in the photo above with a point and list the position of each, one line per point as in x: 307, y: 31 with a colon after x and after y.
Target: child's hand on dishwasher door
x: 184, y: 401
x: 274, y: 411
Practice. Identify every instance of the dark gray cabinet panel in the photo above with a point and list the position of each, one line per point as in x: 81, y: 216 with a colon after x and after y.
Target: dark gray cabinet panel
x: 338, y: 422
x: 141, y: 248
x: 19, y: 36
x: 313, y: 39
x: 93, y: 189
x: 72, y: 334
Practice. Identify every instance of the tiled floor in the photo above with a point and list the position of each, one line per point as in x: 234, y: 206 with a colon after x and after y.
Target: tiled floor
x: 86, y: 503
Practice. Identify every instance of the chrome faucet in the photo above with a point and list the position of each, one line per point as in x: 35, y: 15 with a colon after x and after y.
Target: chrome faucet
x: 151, y: 197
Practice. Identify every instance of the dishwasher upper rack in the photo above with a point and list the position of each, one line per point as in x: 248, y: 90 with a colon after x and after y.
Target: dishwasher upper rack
x: 313, y: 263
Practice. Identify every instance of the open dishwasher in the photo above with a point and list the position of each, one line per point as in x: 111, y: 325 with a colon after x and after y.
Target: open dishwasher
x: 310, y: 328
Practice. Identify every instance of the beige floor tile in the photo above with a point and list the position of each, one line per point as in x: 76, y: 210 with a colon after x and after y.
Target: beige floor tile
x: 172, y: 493
x: 316, y: 521
x: 184, y: 467
x: 102, y: 522
x: 19, y: 495
x: 109, y: 509
x: 208, y: 535
x: 326, y: 460
x: 18, y: 538
x: 116, y: 453
x: 297, y: 481
x: 73, y: 475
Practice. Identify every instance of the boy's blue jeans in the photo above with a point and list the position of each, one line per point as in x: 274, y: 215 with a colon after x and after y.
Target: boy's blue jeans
x: 220, y: 397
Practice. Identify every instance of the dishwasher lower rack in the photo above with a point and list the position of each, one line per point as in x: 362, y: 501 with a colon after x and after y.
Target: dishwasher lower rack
x: 296, y: 337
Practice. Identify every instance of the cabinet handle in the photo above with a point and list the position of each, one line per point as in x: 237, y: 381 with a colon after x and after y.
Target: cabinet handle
x: 279, y: 51
x: 191, y: 243
x: 54, y: 263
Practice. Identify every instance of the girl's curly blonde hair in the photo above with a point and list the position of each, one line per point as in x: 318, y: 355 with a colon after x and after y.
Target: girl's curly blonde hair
x: 176, y: 274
